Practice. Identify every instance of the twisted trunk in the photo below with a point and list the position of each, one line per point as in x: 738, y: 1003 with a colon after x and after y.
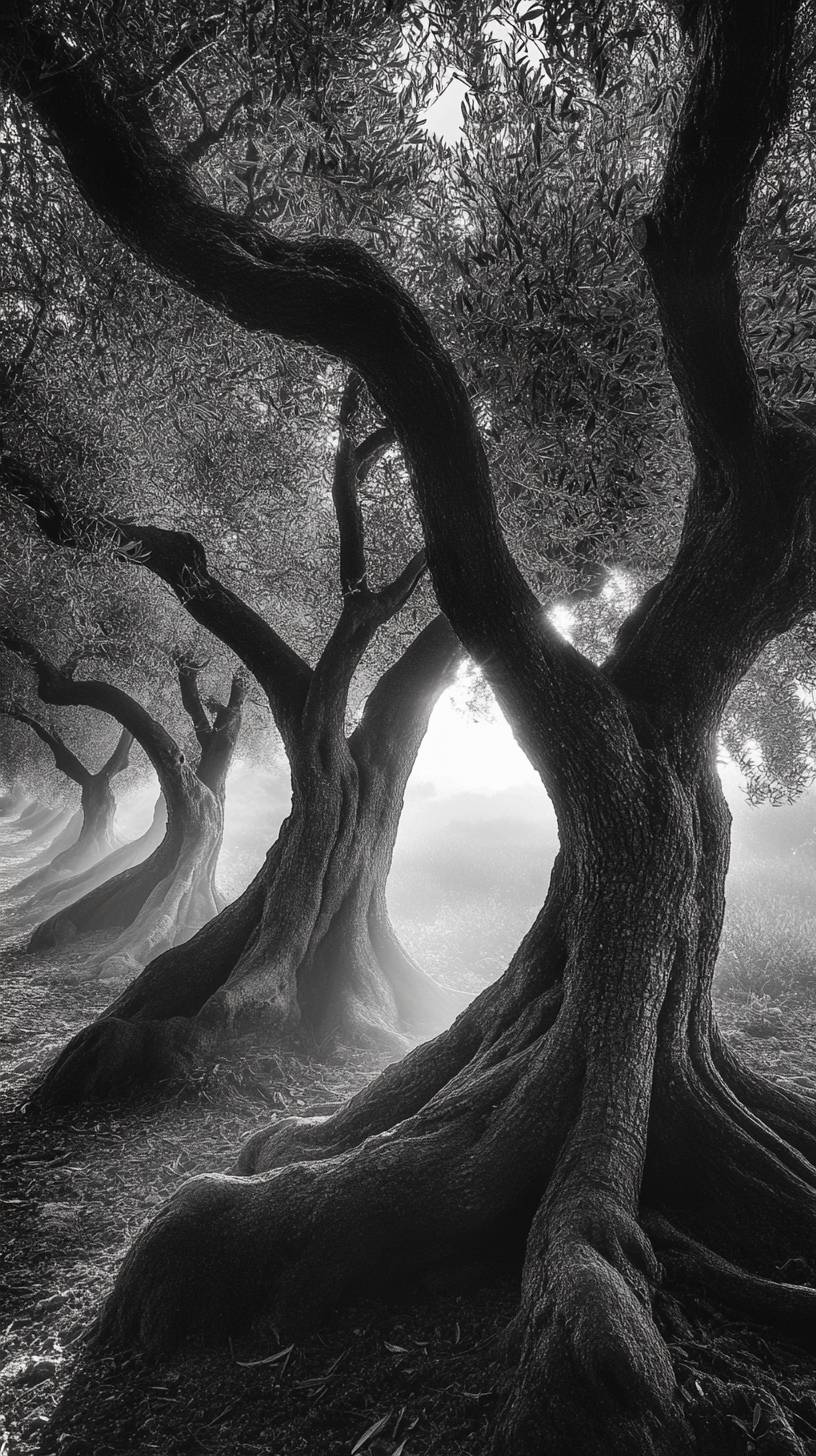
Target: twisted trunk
x: 96, y: 836
x: 309, y: 947
x: 168, y: 895
x: 586, y: 1105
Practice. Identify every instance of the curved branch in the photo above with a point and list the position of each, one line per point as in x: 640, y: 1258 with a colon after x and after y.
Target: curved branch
x: 180, y: 560
x: 371, y: 450
x: 55, y: 686
x: 390, y: 598
x: 332, y: 294
x: 65, y: 760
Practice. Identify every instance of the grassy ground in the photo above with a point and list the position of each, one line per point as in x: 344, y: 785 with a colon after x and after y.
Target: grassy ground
x: 418, y: 1374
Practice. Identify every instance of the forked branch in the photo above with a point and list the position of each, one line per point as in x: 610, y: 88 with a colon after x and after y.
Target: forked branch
x: 66, y: 761
x: 191, y: 699
x: 58, y: 687
x: 120, y: 758
x: 180, y: 560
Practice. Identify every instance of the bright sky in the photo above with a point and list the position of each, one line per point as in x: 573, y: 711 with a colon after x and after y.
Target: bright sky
x: 463, y: 754
x: 443, y: 114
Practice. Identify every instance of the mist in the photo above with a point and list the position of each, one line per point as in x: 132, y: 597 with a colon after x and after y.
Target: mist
x: 471, y: 865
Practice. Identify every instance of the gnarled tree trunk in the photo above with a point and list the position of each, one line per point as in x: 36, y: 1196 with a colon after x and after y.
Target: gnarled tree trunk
x: 317, y: 952
x: 309, y: 945
x: 586, y: 1104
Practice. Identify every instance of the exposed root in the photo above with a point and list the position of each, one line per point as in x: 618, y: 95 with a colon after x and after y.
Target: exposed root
x: 206, y: 1263
x: 439, y: 1159
x: 112, y: 1058
x: 792, y: 1115
x: 791, y: 1307
x: 731, y: 1181
x: 434, y: 1190
x: 404, y: 1088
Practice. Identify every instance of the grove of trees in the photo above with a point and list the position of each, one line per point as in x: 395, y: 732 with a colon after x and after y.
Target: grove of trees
x: 569, y: 349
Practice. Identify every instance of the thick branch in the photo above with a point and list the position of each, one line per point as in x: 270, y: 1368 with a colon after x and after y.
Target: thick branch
x: 238, y: 692
x: 735, y: 105
x: 224, y: 713
x: 120, y: 758
x: 332, y: 294
x: 57, y: 687
x: 397, y: 710
x: 390, y: 598
x: 218, y: 749
x: 180, y: 560
x: 344, y: 495
x: 191, y: 698
x: 371, y: 450
x: 65, y: 760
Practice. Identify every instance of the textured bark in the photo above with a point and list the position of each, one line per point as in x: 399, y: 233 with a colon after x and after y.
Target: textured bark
x: 322, y: 956
x: 584, y: 1105
x: 309, y: 947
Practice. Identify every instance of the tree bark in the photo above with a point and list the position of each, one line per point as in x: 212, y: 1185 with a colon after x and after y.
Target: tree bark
x: 586, y: 1104
x: 309, y: 947
x: 323, y: 957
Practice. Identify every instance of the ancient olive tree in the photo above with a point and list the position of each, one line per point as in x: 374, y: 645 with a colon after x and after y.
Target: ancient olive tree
x: 169, y: 895
x: 310, y: 943
x: 587, y: 1102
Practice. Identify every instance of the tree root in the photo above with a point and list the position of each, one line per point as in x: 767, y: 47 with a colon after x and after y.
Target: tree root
x: 594, y: 1374
x: 112, y: 1058
x: 436, y: 1160
x: 402, y: 1089
x: 731, y: 1181
x: 790, y: 1307
x: 792, y: 1115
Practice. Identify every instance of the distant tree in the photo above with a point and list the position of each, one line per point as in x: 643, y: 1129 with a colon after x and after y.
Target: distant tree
x: 169, y: 895
x: 96, y: 835
x: 309, y: 943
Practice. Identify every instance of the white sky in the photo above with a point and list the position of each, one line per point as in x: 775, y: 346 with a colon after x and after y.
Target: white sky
x: 462, y: 754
